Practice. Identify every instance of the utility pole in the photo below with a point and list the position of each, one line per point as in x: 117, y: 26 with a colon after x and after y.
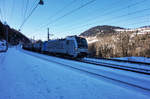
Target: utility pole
x: 33, y: 39
x: 6, y: 37
x: 48, y: 34
x: 6, y: 31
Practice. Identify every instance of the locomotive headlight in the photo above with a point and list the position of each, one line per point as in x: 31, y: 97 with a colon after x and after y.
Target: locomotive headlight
x: 76, y: 49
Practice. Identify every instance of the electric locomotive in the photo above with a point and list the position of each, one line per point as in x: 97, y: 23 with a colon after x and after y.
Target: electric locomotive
x: 73, y: 46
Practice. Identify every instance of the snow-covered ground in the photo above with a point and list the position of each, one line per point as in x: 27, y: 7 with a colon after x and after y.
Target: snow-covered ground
x: 136, y: 59
x: 141, y: 66
x: 25, y: 76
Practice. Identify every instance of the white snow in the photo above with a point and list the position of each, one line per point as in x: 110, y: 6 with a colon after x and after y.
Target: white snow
x: 137, y: 30
x: 130, y: 77
x: 119, y: 30
x: 136, y: 59
x: 92, y: 39
x: 141, y: 66
x: 23, y: 76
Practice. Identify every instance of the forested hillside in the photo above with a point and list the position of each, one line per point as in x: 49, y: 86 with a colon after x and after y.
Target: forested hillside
x: 14, y: 36
x: 111, y: 42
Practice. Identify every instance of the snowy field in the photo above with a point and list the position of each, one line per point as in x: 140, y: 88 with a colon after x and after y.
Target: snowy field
x: 126, y: 76
x: 136, y: 59
x: 24, y: 76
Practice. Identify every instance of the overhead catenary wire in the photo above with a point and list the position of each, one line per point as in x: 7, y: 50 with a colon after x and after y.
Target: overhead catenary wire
x: 59, y: 11
x: 26, y: 8
x: 131, y: 5
x: 123, y: 8
x: 4, y: 11
x: 32, y: 6
x: 104, y: 9
x: 129, y: 18
x: 62, y: 9
x: 12, y: 10
x: 28, y: 16
x: 115, y: 17
x: 115, y: 2
x: 124, y: 15
x: 135, y: 12
x: 1, y: 15
x: 129, y: 25
x: 70, y: 12
x: 23, y: 9
x: 116, y: 10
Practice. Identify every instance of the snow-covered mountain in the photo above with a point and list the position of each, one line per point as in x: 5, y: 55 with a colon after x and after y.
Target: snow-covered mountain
x: 14, y: 36
x: 100, y: 30
x: 93, y: 33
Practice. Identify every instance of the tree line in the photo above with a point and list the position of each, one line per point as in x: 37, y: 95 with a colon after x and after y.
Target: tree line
x: 123, y: 44
x: 14, y: 36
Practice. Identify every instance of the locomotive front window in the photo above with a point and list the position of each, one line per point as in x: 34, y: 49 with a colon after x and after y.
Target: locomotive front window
x: 67, y: 42
x: 82, y: 43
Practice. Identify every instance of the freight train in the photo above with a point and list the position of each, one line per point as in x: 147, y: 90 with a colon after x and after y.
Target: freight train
x: 73, y: 46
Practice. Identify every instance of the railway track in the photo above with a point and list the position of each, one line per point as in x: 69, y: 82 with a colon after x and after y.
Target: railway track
x: 95, y: 74
x: 124, y: 61
x: 116, y: 66
x: 111, y: 65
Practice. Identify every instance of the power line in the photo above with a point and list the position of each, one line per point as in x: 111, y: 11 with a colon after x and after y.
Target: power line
x: 61, y: 10
x: 22, y: 9
x: 85, y: 25
x: 1, y: 15
x: 28, y: 16
x: 123, y: 8
x: 135, y: 12
x: 41, y: 3
x: 119, y: 9
x: 116, y: 10
x: 70, y: 12
x: 31, y: 8
x: 128, y: 14
x: 104, y: 9
x: 4, y: 10
x: 131, y: 18
x: 12, y: 10
x: 26, y: 8
x: 117, y: 17
x: 34, y: 3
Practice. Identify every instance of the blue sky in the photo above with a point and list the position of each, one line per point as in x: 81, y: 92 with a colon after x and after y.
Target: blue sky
x: 124, y: 13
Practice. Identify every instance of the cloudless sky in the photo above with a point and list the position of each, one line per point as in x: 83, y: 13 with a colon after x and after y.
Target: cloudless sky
x: 123, y: 13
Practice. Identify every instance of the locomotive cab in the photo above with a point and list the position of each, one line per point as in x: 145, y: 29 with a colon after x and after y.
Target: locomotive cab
x: 82, y: 47
x: 76, y: 46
